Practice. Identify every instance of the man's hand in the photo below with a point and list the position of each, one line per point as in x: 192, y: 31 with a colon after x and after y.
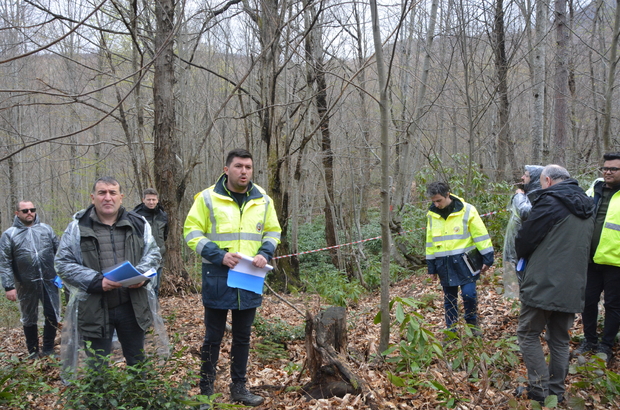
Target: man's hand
x: 484, y: 269
x: 259, y: 261
x: 108, y: 285
x: 136, y: 285
x: 11, y: 295
x: 519, y: 191
x: 231, y: 259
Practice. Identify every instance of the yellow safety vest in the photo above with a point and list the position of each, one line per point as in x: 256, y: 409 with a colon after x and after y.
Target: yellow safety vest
x: 608, y: 249
x: 461, y: 232
x: 217, y: 218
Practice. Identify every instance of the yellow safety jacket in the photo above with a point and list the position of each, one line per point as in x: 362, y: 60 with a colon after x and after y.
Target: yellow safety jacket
x: 447, y: 239
x: 215, y: 218
x: 608, y: 249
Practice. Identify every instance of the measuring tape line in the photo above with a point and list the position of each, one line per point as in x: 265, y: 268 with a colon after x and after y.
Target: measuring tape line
x: 365, y: 240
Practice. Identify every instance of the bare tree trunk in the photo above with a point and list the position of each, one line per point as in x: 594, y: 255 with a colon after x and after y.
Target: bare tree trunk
x: 611, y: 78
x: 385, y: 181
x: 168, y: 176
x: 538, y: 86
x: 561, y: 84
x: 505, y: 146
x: 316, y: 78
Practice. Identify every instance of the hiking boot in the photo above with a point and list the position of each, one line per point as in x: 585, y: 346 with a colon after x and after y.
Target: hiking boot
x: 206, y: 387
x: 605, y: 353
x: 238, y: 392
x: 585, y: 347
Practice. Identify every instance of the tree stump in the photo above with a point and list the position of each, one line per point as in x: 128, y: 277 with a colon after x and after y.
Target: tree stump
x: 326, y: 346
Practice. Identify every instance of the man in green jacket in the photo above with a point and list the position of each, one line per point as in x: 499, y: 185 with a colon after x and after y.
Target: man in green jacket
x: 100, y: 237
x: 555, y: 241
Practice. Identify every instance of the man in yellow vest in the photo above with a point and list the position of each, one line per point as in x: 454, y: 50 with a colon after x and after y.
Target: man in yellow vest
x: 604, y: 267
x: 232, y: 217
x: 453, y: 229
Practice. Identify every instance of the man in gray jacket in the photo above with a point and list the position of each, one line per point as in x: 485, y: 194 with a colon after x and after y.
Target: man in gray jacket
x: 27, y: 270
x: 100, y: 237
x: 555, y: 241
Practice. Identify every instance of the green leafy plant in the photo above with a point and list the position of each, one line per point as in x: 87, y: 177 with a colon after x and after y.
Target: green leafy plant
x: 148, y: 385
x: 20, y: 379
x: 594, y: 375
x: 277, y: 330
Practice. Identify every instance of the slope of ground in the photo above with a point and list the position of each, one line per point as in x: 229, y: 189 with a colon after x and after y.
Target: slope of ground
x: 278, y: 379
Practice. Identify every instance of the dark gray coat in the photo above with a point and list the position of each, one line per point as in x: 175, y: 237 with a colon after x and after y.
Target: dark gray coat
x: 555, y: 240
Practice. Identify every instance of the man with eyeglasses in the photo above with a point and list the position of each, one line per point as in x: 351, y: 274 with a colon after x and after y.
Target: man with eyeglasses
x: 27, y: 271
x: 604, y: 266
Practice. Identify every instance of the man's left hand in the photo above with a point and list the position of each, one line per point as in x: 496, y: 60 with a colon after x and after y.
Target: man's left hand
x: 136, y: 285
x: 259, y: 261
x: 484, y: 268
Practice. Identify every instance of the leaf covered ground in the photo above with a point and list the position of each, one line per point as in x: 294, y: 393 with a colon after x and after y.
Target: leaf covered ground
x: 277, y: 373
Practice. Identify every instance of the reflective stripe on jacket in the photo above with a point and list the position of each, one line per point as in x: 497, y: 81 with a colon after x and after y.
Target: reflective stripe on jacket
x: 608, y: 249
x: 215, y: 217
x: 447, y: 239
x: 216, y: 224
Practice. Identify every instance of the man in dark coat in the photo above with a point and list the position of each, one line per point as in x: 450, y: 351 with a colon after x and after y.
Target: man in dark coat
x: 154, y: 213
x: 555, y: 241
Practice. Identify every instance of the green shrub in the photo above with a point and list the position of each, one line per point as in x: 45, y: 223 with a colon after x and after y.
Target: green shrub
x: 152, y: 384
x: 277, y: 330
x: 20, y: 379
x: 333, y: 286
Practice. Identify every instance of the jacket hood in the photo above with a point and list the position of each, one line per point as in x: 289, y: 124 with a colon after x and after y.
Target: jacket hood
x: 17, y: 223
x: 534, y: 184
x: 571, y: 196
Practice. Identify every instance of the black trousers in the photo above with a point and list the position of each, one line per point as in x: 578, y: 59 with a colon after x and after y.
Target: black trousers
x: 602, y: 278
x: 129, y: 332
x: 215, y: 324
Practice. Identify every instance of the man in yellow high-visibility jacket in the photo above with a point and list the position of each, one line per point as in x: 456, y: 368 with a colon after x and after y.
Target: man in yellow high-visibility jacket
x: 232, y: 217
x: 604, y: 267
x: 454, y: 228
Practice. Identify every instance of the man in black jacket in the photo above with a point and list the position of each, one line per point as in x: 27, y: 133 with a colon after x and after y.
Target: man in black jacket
x: 555, y: 241
x: 154, y: 213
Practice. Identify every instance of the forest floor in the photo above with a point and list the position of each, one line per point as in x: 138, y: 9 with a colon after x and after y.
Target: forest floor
x: 276, y: 379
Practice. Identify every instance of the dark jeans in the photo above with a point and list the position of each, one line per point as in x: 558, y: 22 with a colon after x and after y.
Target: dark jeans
x: 470, y: 303
x: 602, y: 278
x: 130, y: 335
x: 215, y: 324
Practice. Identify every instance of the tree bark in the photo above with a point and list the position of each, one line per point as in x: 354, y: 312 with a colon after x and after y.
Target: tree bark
x: 326, y: 347
x: 386, y: 240
x: 561, y: 84
x: 168, y: 173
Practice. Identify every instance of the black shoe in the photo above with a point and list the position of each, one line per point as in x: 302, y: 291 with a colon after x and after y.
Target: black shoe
x: 206, y: 387
x: 585, y: 347
x: 238, y: 392
x: 605, y: 353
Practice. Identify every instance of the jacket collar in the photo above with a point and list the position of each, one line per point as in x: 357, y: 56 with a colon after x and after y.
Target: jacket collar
x: 220, y: 188
x: 458, y: 205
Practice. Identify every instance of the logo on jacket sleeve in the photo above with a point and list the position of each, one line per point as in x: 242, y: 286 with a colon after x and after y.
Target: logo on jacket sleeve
x: 259, y: 227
